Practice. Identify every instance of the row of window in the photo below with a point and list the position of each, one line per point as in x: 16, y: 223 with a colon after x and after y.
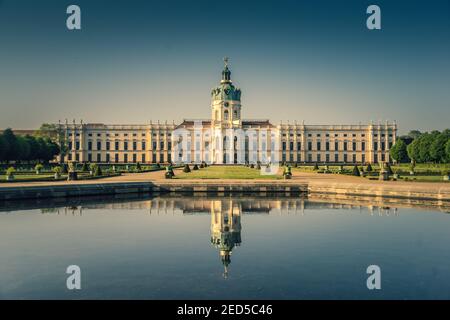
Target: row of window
x: 337, y: 144
x: 116, y: 158
x: 337, y: 135
x: 318, y: 158
x: 117, y: 145
x: 124, y: 134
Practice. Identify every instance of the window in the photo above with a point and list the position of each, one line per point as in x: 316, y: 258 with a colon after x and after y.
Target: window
x: 309, y: 145
x: 375, y: 146
x: 108, y: 145
x: 336, y: 157
x: 89, y: 157
x: 134, y: 158
x: 327, y: 146
x: 354, y: 158
x: 70, y: 145
x: 161, y: 157
x: 318, y: 157
x: 327, y: 158
x: 143, y: 158
x: 107, y: 158
x: 291, y: 146
x: 363, y: 146
x: 99, y: 157
x: 169, y: 145
x: 383, y: 145
x: 299, y: 145
x: 284, y: 145
x: 116, y: 157
x: 225, y: 115
x: 363, y: 158
x: 353, y: 145
x: 125, y: 158
x: 143, y: 145
x: 318, y: 145
x: 345, y: 145
x: 77, y: 145
x: 154, y: 158
x: 336, y: 145
x: 345, y: 157
x: 99, y: 145
x: 134, y: 145
x: 154, y: 145
x: 125, y: 145
x: 161, y: 144
x: 116, y: 145
x: 89, y: 145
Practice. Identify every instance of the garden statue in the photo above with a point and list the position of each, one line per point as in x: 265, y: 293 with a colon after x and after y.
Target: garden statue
x: 287, y: 173
x: 169, y: 172
x: 72, y: 172
x: 384, y: 173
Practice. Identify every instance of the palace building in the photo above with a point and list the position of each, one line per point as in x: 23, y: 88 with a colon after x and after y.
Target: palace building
x: 227, y: 138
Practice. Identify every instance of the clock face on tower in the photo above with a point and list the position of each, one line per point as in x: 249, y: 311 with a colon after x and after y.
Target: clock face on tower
x: 226, y: 104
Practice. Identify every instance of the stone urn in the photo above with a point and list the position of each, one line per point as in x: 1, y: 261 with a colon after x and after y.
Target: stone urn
x: 57, y: 176
x: 10, y: 178
x: 446, y: 177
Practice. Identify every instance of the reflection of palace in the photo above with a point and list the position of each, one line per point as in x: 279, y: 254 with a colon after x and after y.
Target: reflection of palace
x: 225, y: 228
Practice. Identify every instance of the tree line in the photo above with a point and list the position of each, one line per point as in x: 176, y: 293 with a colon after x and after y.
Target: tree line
x: 39, y: 147
x: 426, y: 147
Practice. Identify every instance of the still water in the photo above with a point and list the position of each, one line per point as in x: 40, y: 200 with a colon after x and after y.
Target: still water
x: 237, y: 247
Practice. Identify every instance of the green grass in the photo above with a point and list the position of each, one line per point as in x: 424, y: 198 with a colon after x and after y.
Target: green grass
x: 225, y: 172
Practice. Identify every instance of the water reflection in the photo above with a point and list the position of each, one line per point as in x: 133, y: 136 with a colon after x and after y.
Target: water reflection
x: 225, y: 229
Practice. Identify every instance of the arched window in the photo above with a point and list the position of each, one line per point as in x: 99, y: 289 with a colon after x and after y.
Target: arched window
x: 235, y: 114
x: 225, y: 115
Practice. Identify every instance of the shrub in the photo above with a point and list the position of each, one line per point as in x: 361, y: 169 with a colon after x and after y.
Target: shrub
x: 258, y: 166
x: 195, y: 167
x: 98, y: 171
x: 369, y: 168
x: 85, y: 167
x: 202, y: 165
x: 10, y: 172
x: 64, y: 168
x: 58, y: 170
x: 138, y: 167
x: 252, y: 166
x: 186, y: 168
x: 356, y: 171
x: 38, y: 168
x: 316, y: 167
x: 295, y: 164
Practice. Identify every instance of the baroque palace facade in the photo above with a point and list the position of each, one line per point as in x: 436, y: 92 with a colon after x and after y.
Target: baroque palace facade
x: 226, y: 138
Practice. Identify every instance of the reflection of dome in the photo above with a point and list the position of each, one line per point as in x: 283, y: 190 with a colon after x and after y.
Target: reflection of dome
x: 225, y: 230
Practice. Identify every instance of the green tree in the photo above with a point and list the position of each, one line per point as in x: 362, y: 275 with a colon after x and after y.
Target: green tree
x: 447, y: 151
x: 413, y: 150
x: 437, y: 147
x: 23, y: 148
x: 11, y: 141
x: 399, y: 151
x: 4, y: 148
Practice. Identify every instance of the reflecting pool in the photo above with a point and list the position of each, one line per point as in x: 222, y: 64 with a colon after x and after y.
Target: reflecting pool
x: 224, y: 247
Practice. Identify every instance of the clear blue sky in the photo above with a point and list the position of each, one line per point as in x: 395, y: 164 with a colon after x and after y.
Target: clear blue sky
x: 136, y: 61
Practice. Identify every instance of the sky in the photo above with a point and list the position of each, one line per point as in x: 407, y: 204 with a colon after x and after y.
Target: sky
x: 138, y: 61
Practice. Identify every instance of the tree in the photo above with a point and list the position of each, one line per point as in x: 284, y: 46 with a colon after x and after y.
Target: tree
x: 4, y: 148
x: 413, y: 151
x: 23, y: 148
x: 414, y: 134
x: 447, y: 151
x: 11, y: 141
x: 437, y: 147
x: 399, y: 151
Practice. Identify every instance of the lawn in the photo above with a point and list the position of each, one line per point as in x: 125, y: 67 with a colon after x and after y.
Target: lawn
x: 225, y: 172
